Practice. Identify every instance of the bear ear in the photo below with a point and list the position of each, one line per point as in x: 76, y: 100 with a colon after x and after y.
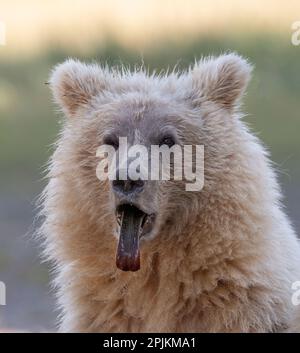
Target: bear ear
x: 74, y: 84
x: 222, y: 80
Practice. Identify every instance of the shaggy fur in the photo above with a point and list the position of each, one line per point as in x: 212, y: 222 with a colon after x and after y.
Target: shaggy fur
x: 221, y: 260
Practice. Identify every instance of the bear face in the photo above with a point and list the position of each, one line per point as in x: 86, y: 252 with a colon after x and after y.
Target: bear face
x: 197, y: 107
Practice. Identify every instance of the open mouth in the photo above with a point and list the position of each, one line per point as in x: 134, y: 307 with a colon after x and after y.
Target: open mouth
x: 134, y: 224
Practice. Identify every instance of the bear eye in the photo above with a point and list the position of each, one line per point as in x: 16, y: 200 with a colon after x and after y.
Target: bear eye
x: 167, y: 140
x: 111, y: 141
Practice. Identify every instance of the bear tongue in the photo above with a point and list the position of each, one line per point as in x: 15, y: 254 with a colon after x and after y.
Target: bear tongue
x: 128, y: 252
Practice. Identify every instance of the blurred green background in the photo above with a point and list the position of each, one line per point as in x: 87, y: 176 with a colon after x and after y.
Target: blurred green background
x: 29, y: 125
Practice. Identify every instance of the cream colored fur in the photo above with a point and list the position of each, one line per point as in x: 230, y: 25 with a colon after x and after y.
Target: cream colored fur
x: 222, y: 260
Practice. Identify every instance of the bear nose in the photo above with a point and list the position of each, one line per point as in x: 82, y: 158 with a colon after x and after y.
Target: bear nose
x: 128, y: 186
